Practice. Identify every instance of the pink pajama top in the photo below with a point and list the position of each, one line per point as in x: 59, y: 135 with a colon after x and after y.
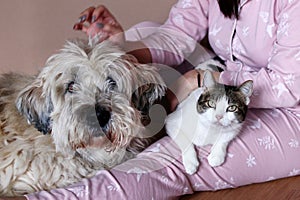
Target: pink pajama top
x: 263, y: 45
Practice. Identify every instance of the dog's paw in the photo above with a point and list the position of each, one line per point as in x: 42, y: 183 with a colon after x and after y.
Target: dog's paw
x: 215, y: 160
x: 191, y: 164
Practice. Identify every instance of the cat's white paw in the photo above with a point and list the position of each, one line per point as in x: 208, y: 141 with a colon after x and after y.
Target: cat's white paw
x: 191, y: 164
x: 215, y: 160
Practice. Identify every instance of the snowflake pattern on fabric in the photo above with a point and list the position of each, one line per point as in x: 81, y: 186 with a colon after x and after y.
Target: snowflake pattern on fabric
x: 289, y: 79
x: 254, y: 124
x: 113, y: 187
x: 281, y: 88
x: 215, y: 30
x: 275, y: 113
x: 138, y: 171
x: 245, y: 31
x: 273, y: 75
x: 237, y: 46
x: 79, y: 191
x: 179, y: 19
x: 267, y: 142
x: 294, y: 143
x: 219, y: 45
x: 294, y: 172
x: 185, y: 4
x: 164, y: 179
x: 230, y: 155
x: 197, y: 186
x: 271, y: 178
x: 222, y: 185
x: 283, y: 28
x: 185, y: 190
x: 155, y: 149
x: 264, y: 16
x: 251, y: 161
x: 270, y: 28
x: 255, y: 93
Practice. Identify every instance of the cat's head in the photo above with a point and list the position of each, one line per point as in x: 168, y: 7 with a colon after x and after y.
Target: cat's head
x: 222, y: 104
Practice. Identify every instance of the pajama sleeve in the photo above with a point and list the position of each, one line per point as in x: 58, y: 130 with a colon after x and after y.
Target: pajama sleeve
x: 277, y: 84
x: 178, y: 37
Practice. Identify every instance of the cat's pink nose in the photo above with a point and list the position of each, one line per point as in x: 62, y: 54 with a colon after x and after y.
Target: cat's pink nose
x: 219, y: 117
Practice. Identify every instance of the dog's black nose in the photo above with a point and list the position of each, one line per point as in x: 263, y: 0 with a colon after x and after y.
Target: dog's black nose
x: 103, y: 115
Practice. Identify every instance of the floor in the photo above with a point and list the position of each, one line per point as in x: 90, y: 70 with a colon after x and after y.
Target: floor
x: 283, y: 189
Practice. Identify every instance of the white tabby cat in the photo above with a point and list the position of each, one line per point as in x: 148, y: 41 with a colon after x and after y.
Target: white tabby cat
x: 212, y: 114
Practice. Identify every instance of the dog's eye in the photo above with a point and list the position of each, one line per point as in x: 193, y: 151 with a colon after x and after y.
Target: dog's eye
x: 112, y: 84
x: 70, y: 87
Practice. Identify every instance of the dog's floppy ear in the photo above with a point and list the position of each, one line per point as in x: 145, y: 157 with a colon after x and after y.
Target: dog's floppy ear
x: 144, y: 96
x: 149, y: 88
x: 36, y: 106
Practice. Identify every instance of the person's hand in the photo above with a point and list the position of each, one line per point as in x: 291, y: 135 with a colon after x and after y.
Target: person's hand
x: 99, y: 24
x: 185, y: 85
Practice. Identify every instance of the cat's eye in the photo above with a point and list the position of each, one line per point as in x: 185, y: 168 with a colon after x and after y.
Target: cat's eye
x: 210, y: 104
x: 232, y: 108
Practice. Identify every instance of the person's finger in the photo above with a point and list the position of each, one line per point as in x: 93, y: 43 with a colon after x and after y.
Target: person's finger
x: 95, y: 28
x: 86, y: 15
x: 102, y: 13
x: 110, y: 27
x: 80, y: 27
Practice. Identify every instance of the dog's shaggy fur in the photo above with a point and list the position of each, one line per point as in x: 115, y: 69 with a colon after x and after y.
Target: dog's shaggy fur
x: 89, y: 103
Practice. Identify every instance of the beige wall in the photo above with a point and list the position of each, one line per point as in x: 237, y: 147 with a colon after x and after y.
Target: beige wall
x: 32, y: 30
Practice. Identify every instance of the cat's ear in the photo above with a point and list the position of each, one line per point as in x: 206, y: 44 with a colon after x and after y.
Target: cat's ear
x: 208, y: 79
x: 246, y: 89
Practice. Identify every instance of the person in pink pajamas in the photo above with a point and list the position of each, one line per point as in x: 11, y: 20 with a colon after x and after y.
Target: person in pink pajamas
x: 257, y: 40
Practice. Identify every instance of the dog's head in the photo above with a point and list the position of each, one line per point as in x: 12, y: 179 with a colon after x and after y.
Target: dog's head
x: 84, y: 94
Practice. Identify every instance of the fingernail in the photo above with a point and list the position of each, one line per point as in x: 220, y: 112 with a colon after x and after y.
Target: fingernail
x: 100, y: 25
x: 93, y: 19
x: 82, y: 18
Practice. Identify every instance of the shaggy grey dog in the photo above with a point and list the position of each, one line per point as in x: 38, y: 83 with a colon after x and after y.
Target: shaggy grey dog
x: 91, y: 105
